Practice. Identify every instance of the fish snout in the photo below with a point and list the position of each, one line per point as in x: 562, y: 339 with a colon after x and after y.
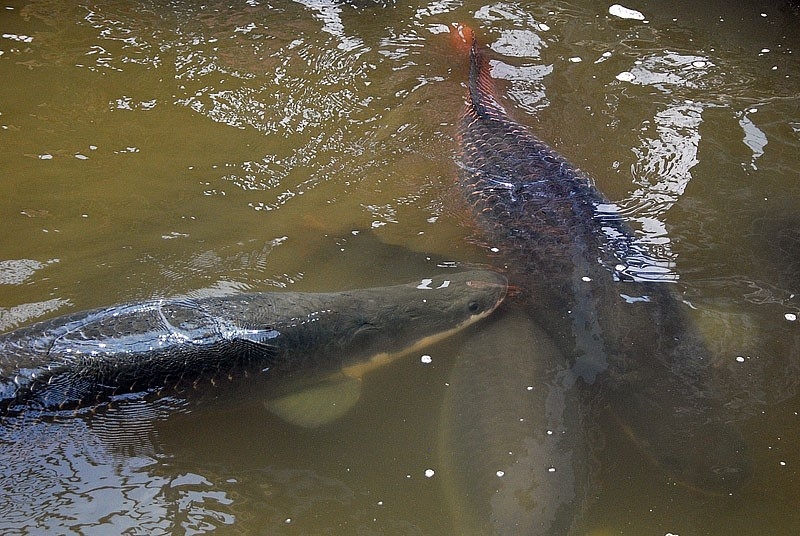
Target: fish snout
x: 492, y: 286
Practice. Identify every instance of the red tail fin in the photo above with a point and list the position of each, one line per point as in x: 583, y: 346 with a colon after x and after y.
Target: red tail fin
x: 482, y: 101
x: 462, y: 37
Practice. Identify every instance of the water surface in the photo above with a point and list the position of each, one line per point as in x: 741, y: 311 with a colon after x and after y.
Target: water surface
x: 152, y: 149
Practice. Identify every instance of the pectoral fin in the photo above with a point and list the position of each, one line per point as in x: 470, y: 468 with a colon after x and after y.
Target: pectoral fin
x: 319, y: 404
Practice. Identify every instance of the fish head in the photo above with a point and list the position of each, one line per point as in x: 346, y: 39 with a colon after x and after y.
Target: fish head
x: 393, y: 321
x: 365, y: 329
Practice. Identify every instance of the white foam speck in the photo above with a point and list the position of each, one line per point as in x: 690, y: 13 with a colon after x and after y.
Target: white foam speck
x: 426, y: 359
x: 500, y: 473
x: 429, y: 473
x: 575, y: 59
x: 791, y: 317
x: 21, y: 38
x: 626, y: 76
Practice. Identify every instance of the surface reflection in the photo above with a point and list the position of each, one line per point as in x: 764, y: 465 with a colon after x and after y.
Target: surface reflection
x: 159, y: 148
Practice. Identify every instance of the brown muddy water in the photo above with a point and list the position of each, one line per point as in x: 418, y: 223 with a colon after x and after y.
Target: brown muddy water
x: 153, y: 149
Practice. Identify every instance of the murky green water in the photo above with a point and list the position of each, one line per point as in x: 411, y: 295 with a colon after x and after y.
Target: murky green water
x: 151, y: 149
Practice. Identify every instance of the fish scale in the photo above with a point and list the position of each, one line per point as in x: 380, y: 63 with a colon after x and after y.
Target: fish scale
x: 588, y: 283
x: 177, y: 346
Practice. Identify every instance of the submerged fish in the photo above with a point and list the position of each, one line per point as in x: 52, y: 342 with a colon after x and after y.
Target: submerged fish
x: 566, y: 246
x: 515, y: 447
x: 314, y: 344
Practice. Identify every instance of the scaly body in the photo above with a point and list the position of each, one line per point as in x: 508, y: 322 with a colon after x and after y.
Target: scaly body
x: 573, y: 253
x: 169, y: 346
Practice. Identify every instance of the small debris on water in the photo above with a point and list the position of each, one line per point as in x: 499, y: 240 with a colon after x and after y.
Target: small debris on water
x: 575, y: 59
x: 791, y: 317
x: 426, y: 359
x: 45, y: 156
x: 626, y: 76
x: 586, y: 278
x: 603, y: 57
x: 500, y: 473
x: 429, y: 473
x: 625, y: 13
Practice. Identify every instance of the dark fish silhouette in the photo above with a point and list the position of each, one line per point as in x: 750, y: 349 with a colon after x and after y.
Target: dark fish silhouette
x: 588, y: 287
x: 300, y: 346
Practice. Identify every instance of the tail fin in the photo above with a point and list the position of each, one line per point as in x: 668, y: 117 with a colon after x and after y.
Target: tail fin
x: 462, y: 37
x: 482, y: 101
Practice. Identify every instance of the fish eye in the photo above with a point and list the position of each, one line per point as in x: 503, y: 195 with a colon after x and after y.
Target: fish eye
x: 474, y: 307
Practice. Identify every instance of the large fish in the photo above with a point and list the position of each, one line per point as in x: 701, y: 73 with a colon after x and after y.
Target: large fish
x: 301, y: 346
x: 566, y: 245
x: 514, y: 446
